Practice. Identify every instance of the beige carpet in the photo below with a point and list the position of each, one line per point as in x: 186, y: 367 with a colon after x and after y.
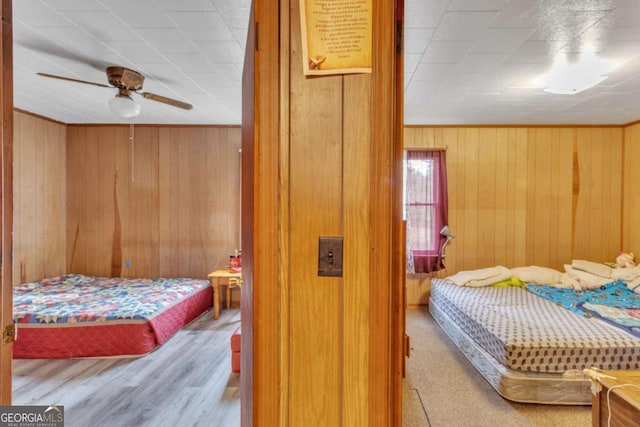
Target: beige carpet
x: 443, y: 389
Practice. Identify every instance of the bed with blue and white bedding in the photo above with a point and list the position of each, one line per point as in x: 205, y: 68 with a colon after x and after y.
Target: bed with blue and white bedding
x: 532, y: 342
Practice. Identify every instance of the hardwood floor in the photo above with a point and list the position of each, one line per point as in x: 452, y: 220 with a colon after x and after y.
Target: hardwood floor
x: 186, y: 382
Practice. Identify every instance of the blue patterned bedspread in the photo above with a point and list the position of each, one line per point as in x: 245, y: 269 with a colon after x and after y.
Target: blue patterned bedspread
x: 614, y: 303
x: 76, y: 298
x: 622, y: 317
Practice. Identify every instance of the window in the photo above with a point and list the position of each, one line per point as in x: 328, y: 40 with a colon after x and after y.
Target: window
x: 426, y: 209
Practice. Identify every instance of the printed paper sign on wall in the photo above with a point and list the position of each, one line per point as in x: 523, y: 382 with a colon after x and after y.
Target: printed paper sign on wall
x: 336, y: 36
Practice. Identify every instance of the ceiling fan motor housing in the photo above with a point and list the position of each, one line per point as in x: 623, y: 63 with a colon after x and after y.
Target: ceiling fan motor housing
x: 125, y: 78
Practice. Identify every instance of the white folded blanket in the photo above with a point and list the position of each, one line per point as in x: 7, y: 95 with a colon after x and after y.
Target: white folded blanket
x: 626, y: 274
x: 581, y: 280
x: 481, y: 277
x: 538, y: 275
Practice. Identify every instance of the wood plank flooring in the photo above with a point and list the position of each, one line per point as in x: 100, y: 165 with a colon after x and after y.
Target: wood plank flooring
x: 186, y: 382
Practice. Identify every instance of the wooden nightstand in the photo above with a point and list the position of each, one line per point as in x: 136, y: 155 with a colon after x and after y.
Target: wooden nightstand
x: 616, y: 394
x: 223, y: 277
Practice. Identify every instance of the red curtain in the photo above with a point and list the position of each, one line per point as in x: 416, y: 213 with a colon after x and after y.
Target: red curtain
x: 426, y: 209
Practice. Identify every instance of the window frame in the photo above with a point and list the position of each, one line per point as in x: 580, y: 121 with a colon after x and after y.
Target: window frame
x: 424, y: 254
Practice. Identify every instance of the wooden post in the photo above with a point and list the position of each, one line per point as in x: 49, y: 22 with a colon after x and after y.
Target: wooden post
x: 319, y: 159
x: 6, y: 197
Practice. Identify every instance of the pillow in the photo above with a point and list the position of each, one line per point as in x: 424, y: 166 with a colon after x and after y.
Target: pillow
x: 538, y: 275
x: 596, y: 268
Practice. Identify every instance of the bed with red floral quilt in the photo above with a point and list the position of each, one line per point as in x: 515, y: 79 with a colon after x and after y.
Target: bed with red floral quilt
x: 83, y: 316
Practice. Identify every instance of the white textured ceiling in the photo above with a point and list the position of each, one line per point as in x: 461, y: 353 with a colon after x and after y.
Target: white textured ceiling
x: 190, y: 50
x: 466, y: 61
x: 473, y: 61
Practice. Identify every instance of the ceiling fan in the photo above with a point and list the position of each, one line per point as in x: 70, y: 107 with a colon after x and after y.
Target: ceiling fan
x: 126, y: 81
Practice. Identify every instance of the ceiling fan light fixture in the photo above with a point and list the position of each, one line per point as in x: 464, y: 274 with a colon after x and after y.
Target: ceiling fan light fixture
x: 124, y: 106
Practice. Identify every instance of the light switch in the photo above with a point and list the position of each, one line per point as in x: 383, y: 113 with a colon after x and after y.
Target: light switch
x: 330, y: 256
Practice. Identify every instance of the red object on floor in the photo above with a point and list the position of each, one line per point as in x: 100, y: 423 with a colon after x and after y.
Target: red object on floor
x: 235, y: 350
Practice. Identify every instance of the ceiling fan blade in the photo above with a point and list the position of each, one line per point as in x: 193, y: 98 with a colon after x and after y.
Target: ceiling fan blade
x: 166, y: 100
x: 53, y: 76
x: 60, y: 52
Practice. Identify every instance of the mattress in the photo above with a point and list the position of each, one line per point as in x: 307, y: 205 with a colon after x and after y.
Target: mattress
x: 83, y: 316
x: 526, y: 333
x: 569, y: 388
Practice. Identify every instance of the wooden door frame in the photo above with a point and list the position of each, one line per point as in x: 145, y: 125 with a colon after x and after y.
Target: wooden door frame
x: 264, y: 385
x: 261, y: 380
x: 6, y: 197
x: 400, y: 342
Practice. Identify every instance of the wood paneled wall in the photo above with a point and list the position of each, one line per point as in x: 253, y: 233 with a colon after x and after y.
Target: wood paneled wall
x: 597, y: 216
x: 630, y: 235
x: 39, y: 198
x: 152, y: 201
x: 518, y: 196
x: 528, y: 195
x: 147, y: 201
